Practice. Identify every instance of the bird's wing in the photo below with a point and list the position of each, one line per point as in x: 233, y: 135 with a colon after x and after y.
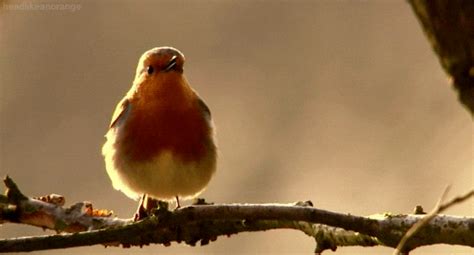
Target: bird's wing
x: 120, y: 111
x: 204, y: 108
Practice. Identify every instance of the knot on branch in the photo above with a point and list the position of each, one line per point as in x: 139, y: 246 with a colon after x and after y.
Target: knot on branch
x: 13, y: 194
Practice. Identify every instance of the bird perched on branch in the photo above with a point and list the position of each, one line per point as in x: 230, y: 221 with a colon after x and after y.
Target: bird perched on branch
x: 161, y: 138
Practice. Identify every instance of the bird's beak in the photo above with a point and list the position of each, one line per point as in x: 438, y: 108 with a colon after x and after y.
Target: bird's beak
x: 171, y: 64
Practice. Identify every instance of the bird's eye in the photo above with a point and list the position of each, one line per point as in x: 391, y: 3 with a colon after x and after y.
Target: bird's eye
x: 150, y: 69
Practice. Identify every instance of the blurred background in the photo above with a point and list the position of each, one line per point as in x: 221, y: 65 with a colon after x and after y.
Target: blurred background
x: 340, y: 102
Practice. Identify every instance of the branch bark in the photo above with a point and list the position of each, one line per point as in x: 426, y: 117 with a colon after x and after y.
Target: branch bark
x: 449, y: 26
x: 205, y: 222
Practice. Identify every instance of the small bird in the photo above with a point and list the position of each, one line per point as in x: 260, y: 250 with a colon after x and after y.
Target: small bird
x: 161, y: 141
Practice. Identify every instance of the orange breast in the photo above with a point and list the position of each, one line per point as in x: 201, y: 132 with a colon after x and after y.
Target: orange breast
x: 171, y: 121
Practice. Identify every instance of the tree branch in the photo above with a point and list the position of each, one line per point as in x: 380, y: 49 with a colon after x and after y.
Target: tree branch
x: 204, y: 223
x: 402, y: 246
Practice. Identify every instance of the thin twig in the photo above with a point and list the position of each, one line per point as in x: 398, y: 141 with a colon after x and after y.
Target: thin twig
x: 439, y: 207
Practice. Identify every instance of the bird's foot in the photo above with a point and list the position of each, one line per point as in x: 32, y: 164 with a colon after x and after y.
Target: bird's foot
x: 140, y: 213
x: 201, y: 201
x: 147, y: 207
x: 306, y: 203
x: 178, y: 205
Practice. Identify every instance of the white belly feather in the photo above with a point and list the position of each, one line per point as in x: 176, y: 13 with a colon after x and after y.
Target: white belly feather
x: 163, y: 177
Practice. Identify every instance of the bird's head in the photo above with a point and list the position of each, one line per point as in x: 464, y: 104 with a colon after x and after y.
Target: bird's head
x: 159, y: 78
x: 159, y: 62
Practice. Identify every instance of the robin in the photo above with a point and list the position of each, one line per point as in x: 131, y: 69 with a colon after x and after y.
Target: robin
x: 160, y: 143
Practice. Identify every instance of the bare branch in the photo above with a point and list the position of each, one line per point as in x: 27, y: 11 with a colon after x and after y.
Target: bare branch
x: 204, y: 223
x: 48, y: 215
x: 439, y: 207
